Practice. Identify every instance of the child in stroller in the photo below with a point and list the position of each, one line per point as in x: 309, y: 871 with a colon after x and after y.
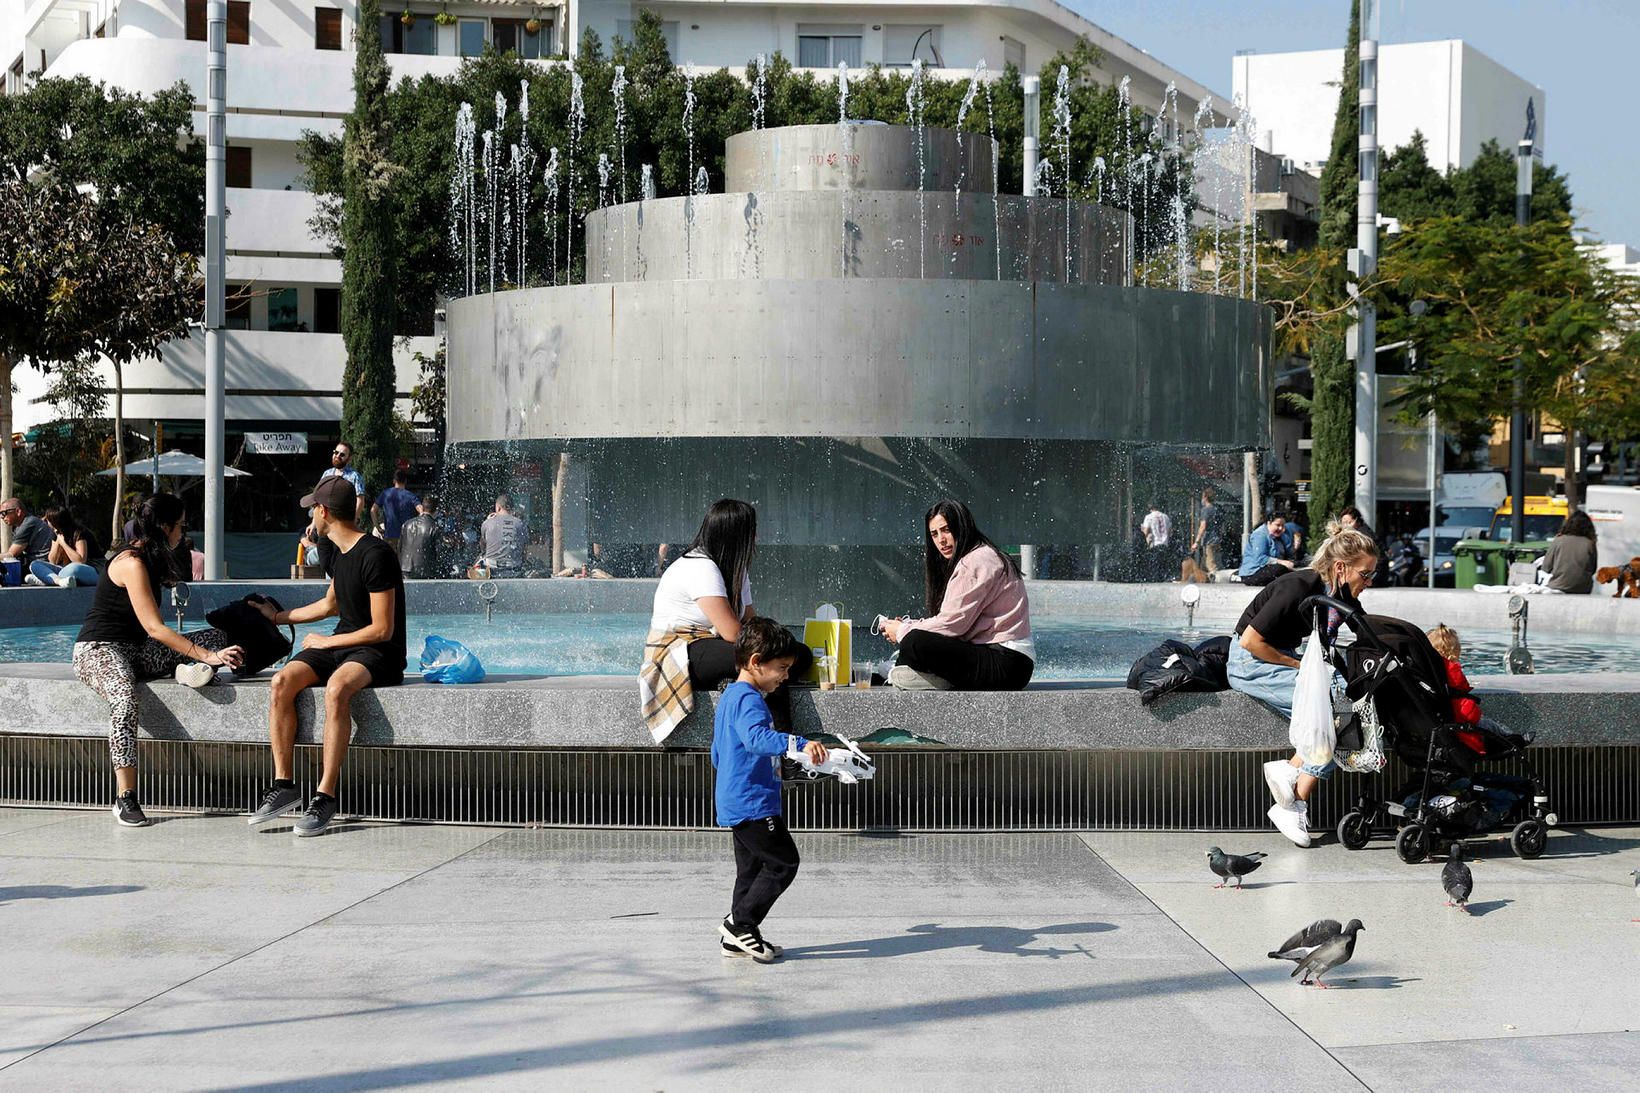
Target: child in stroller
x: 1402, y: 705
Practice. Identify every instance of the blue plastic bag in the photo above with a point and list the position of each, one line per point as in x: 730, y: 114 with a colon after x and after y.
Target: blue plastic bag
x: 447, y: 661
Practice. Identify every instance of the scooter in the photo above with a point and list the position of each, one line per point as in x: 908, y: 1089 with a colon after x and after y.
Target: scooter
x: 1406, y: 564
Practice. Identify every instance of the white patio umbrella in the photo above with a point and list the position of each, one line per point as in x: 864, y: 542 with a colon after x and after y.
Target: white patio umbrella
x: 172, y: 464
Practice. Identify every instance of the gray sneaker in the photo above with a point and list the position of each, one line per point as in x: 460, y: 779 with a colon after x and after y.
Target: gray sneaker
x: 902, y: 678
x: 280, y: 800
x: 320, y: 811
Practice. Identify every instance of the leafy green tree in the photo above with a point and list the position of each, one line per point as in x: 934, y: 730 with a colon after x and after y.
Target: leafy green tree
x: 1485, y: 190
x: 1332, y: 403
x: 370, y: 240
x: 1409, y: 186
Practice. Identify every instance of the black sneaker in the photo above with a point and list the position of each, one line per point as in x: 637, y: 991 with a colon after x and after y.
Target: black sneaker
x: 279, y: 800
x: 746, y: 941
x: 320, y: 811
x: 127, y: 812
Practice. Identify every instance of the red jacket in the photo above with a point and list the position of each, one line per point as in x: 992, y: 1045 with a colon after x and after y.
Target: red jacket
x: 1465, y: 710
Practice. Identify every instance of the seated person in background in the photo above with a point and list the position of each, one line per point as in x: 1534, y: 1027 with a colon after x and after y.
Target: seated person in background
x: 1571, y: 560
x: 31, y: 538
x: 1266, y: 557
x: 73, y: 558
x: 419, y: 542
x: 502, y: 540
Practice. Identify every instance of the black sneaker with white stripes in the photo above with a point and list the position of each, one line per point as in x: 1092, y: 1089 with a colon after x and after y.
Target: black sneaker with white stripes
x: 279, y: 800
x: 747, y: 941
x: 127, y: 812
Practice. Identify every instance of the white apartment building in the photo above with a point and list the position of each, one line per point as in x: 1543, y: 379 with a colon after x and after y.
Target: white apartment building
x: 290, y: 69
x: 1454, y: 94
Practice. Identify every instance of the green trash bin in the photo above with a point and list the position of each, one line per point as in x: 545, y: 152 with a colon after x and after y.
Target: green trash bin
x: 1480, y: 561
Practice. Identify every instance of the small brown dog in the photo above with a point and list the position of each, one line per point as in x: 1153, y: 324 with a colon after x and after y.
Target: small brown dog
x: 1191, y: 572
x: 1627, y: 578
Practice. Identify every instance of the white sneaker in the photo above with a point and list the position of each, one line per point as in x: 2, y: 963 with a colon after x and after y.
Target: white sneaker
x: 65, y: 580
x: 902, y: 678
x: 33, y: 581
x: 195, y: 674
x: 1282, y: 778
x: 1293, y: 822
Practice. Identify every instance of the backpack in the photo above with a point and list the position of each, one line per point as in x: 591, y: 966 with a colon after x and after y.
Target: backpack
x: 246, y: 626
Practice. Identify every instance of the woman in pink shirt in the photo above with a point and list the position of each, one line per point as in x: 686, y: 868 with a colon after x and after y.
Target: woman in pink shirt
x: 978, y: 634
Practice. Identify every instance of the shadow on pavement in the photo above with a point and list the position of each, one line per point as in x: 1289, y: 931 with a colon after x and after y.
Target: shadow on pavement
x: 932, y: 937
x: 63, y: 891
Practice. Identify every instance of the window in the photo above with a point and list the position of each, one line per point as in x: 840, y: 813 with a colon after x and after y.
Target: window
x: 627, y: 31
x: 470, y: 37
x: 239, y: 21
x: 237, y: 314
x: 512, y: 35
x: 421, y: 36
x: 906, y: 43
x: 327, y: 28
x: 327, y: 311
x: 239, y: 166
x: 1013, y: 52
x: 282, y: 309
x: 825, y: 45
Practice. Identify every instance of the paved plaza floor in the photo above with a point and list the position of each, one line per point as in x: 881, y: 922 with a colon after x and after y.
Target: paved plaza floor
x: 200, y: 954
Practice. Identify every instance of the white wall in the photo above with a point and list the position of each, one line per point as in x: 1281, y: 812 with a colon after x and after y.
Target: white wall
x: 1455, y: 95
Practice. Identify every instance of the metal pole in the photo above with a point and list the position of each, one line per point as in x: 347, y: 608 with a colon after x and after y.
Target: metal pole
x: 1365, y: 263
x: 216, y: 199
x: 1033, y: 126
x: 1517, y: 419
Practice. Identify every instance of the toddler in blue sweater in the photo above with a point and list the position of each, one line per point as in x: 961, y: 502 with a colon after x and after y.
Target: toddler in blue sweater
x: 746, y: 752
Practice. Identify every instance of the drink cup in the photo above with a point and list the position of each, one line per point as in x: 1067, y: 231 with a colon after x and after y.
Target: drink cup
x: 862, y: 677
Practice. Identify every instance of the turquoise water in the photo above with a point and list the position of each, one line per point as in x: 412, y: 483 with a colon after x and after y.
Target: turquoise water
x: 610, y: 644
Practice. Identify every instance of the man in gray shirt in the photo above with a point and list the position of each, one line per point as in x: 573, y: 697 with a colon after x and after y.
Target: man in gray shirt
x: 31, y: 539
x: 502, y: 540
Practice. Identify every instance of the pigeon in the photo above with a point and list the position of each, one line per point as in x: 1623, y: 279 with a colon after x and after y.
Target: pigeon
x: 1307, y: 940
x: 1329, y: 955
x: 1457, y: 880
x: 1232, y: 865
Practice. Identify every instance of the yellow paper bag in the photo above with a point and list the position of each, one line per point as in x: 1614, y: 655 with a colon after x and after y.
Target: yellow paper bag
x: 835, y: 635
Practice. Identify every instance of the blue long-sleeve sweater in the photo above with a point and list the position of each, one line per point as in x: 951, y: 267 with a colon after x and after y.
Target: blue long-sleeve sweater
x: 745, y: 752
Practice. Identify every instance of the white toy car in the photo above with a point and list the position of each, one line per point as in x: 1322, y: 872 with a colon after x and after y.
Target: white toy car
x: 845, y: 762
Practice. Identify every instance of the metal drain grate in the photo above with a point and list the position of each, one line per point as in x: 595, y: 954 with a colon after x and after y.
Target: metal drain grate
x: 915, y: 790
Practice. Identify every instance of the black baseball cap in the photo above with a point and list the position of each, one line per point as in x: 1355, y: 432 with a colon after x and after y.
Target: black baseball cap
x: 334, y: 493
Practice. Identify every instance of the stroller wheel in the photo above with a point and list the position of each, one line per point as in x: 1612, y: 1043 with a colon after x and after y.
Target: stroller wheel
x: 1414, y: 843
x: 1354, y: 830
x: 1529, y: 838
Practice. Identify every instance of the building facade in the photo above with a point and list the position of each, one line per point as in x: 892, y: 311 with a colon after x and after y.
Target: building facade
x: 1451, y: 92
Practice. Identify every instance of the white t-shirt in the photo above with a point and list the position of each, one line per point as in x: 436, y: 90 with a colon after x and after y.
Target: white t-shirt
x: 1158, y: 528
x: 686, y: 580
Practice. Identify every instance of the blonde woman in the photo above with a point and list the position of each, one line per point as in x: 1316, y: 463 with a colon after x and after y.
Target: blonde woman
x: 1264, y: 658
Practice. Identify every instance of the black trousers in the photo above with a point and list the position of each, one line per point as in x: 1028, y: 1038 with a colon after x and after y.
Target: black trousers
x: 965, y: 665
x: 712, y: 661
x: 765, y: 865
x: 1266, y: 574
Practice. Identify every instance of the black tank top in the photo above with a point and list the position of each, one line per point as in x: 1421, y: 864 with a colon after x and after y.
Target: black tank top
x: 111, y: 617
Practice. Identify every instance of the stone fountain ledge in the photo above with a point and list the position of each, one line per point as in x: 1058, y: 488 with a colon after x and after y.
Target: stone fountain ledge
x: 601, y: 712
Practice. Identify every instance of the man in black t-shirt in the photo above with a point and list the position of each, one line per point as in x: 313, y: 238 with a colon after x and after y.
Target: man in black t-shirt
x: 366, y: 649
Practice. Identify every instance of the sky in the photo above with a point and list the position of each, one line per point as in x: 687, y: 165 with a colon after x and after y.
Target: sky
x: 1581, y: 52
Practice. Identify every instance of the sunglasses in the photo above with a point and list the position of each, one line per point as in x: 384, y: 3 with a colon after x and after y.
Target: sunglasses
x: 341, y: 452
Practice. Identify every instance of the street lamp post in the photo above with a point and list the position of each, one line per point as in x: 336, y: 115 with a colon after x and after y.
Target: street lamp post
x: 1517, y: 419
x: 1363, y: 263
x: 216, y: 199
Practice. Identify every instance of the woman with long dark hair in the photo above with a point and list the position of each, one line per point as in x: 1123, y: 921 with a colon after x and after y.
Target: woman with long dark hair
x: 978, y: 633
x: 1572, y: 557
x: 73, y: 558
x: 700, y: 604
x: 124, y: 639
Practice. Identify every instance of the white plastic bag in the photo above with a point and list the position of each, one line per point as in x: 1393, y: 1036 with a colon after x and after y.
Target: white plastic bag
x: 1311, y: 728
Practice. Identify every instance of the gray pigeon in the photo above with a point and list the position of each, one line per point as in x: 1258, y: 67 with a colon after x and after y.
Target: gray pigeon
x: 1232, y: 865
x: 1457, y: 880
x: 1307, y: 940
x: 1329, y: 955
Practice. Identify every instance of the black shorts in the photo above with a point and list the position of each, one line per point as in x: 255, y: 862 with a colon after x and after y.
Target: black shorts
x: 324, y: 663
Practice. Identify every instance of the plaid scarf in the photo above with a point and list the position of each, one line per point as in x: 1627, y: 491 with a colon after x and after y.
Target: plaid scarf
x: 663, y: 681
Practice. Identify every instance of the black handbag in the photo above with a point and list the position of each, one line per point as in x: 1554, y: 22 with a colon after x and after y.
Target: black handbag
x: 263, y: 642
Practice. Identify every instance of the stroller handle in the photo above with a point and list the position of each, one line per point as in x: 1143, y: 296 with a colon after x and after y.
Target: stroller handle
x: 1352, y: 614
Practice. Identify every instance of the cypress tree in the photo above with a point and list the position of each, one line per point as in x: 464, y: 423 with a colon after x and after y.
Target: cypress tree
x: 369, y: 260
x: 1332, y: 406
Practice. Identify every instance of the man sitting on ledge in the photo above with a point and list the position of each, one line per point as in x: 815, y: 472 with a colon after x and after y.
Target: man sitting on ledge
x: 366, y: 650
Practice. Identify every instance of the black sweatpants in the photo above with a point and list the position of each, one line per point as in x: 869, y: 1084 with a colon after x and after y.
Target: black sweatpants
x: 765, y: 865
x: 712, y: 661
x: 965, y: 665
x: 1266, y: 574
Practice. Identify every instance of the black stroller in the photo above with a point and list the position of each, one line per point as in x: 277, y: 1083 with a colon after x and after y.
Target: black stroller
x: 1396, y: 682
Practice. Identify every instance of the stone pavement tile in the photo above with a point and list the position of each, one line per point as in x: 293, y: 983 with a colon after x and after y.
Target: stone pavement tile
x: 229, y: 841
x: 28, y: 1027
x: 548, y: 874
x: 1528, y: 1064
x: 13, y: 820
x: 1544, y: 953
x: 1095, y: 1001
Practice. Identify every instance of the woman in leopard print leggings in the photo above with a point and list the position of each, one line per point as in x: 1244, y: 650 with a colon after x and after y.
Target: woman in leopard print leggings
x: 124, y: 639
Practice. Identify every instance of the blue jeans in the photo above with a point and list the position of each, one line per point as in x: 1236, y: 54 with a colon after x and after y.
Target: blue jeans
x: 47, y: 573
x: 1271, y: 684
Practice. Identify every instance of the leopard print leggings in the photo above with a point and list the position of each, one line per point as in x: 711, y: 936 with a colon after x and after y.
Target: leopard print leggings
x: 113, y: 668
